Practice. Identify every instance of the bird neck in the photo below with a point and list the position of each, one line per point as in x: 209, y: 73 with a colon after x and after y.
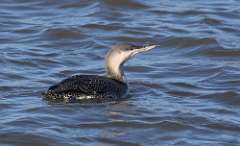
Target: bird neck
x: 114, y: 61
x: 115, y: 71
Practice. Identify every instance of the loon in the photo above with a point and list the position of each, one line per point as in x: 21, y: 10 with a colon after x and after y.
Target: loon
x: 111, y: 86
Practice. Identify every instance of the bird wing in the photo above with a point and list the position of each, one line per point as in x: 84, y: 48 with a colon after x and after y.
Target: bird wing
x: 86, y: 84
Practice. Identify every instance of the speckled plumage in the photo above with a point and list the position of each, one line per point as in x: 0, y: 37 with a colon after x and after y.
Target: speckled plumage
x: 87, y: 87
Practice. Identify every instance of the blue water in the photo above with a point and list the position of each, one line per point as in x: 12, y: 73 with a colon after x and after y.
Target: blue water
x: 185, y: 92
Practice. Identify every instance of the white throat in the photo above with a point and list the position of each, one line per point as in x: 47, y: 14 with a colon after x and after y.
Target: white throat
x: 114, y: 64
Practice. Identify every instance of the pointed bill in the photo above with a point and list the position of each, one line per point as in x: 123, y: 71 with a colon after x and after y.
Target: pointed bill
x: 143, y: 49
x: 147, y: 48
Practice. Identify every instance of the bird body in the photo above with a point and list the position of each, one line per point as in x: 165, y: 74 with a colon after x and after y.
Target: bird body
x: 88, y: 87
x: 94, y: 87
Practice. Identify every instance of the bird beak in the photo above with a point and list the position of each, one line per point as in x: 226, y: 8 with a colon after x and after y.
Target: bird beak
x: 144, y: 49
x: 148, y: 47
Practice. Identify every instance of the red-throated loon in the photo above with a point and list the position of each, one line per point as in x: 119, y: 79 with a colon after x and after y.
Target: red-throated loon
x: 94, y: 87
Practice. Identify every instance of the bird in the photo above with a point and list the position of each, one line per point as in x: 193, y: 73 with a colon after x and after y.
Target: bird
x: 112, y: 86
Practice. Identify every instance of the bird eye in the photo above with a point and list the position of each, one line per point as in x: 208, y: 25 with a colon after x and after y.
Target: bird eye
x: 133, y: 47
x: 130, y: 48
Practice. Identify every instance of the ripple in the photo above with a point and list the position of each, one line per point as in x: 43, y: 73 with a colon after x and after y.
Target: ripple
x: 6, y: 105
x: 185, y: 92
x: 225, y: 97
x: 21, y: 62
x: 25, y: 30
x: 221, y: 52
x: 115, y: 142
x: 140, y: 69
x: 16, y: 138
x: 212, y: 21
x: 64, y: 33
x: 185, y: 85
x: 75, y: 4
x: 224, y: 126
x: 109, y: 27
x: 182, y: 93
x: 29, y: 122
x: 164, y: 125
x: 188, y: 42
x: 126, y: 3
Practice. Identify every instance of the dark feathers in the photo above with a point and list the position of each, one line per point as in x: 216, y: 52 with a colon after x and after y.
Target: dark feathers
x: 87, y: 87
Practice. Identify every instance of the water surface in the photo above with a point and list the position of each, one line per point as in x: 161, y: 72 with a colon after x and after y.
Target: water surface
x: 185, y: 92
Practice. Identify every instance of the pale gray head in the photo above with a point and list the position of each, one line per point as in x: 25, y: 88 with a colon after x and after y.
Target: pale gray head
x: 118, y: 55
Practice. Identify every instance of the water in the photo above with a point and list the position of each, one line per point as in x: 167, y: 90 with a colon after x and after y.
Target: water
x: 184, y: 93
